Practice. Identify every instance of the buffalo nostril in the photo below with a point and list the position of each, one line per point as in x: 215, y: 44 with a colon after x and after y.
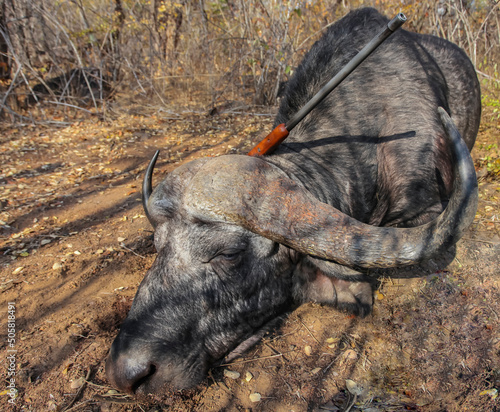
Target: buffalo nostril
x: 128, y: 374
x: 143, y: 377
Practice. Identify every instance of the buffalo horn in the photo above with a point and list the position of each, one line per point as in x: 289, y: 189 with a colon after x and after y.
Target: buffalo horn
x: 147, y: 186
x: 257, y: 195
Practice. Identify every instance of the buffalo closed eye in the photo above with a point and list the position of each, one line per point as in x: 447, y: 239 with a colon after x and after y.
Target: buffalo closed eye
x: 230, y: 255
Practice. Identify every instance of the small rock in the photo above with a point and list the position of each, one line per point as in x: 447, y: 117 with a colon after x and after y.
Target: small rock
x: 248, y: 376
x: 57, y: 266
x: 349, y: 355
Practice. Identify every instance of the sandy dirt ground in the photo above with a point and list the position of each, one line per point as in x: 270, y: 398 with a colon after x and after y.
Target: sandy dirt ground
x: 75, y: 244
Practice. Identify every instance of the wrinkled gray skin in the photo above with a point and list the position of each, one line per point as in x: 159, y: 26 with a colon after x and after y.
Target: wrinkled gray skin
x: 243, y: 240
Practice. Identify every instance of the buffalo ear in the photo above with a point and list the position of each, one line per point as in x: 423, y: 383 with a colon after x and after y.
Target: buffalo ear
x: 265, y: 248
x: 336, y: 285
x: 335, y: 270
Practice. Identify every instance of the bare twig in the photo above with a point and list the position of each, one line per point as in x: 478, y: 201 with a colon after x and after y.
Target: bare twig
x: 79, y: 392
x: 112, y: 399
x: 63, y: 30
x: 480, y: 241
x: 256, y: 359
x: 315, y: 34
x: 310, y: 333
x: 130, y: 250
x: 71, y: 105
x: 351, y: 404
x: 74, y: 408
x: 135, y: 75
x: 488, y: 76
x: 12, y: 83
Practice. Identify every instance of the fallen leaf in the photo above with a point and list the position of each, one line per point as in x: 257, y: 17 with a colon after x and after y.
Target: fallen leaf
x: 492, y: 393
x: 231, y: 374
x: 66, y: 369
x: 353, y: 387
x: 78, y: 383
x: 332, y: 342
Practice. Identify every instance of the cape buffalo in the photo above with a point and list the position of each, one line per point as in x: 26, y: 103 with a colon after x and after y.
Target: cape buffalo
x: 378, y: 175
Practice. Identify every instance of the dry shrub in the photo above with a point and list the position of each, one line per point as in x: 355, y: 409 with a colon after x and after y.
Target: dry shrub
x: 210, y: 51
